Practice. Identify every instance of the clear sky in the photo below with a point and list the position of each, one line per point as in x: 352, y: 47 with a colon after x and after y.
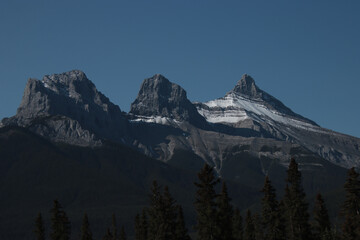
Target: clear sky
x: 305, y: 53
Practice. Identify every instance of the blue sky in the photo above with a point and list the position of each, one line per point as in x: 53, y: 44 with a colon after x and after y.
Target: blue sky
x: 305, y: 53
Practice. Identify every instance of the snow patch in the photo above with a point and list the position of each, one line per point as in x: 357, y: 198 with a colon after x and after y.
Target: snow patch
x: 156, y: 119
x: 234, y: 108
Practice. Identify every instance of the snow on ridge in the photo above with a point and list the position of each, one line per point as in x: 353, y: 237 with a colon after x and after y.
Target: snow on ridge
x: 155, y: 119
x: 230, y: 116
x: 234, y: 108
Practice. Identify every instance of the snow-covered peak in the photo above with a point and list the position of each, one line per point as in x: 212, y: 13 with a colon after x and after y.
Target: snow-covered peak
x: 234, y: 108
x: 247, y: 101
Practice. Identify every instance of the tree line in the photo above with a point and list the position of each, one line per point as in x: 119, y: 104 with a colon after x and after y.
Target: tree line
x: 218, y: 219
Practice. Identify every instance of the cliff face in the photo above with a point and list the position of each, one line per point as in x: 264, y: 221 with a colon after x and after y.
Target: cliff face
x: 159, y: 97
x: 68, y: 107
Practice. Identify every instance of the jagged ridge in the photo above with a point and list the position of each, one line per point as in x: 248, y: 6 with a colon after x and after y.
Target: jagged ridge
x: 67, y: 107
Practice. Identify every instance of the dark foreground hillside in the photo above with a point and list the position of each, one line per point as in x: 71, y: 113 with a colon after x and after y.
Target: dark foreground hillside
x: 109, y: 179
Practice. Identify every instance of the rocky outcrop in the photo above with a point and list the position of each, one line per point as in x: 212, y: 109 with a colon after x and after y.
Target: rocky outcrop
x: 159, y: 97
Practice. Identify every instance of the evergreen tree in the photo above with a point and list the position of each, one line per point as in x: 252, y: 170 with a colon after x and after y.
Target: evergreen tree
x: 114, y: 227
x: 237, y: 226
x: 295, y: 206
x: 108, y: 235
x: 122, y: 234
x: 321, y: 223
x: 155, y: 213
x: 331, y: 234
x: 181, y: 233
x: 271, y: 216
x: 259, y: 232
x: 249, y: 231
x: 60, y: 224
x: 224, y: 215
x: 351, y: 207
x: 162, y: 214
x: 39, y: 228
x: 137, y: 227
x: 170, y: 214
x: 141, y: 226
x: 85, y: 229
x: 205, y: 204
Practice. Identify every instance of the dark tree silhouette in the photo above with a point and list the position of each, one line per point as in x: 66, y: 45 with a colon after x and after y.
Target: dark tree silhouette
x: 85, y: 229
x: 181, y: 233
x: 162, y: 214
x: 108, y: 235
x: 237, y: 225
x: 351, y: 207
x: 205, y: 204
x: 295, y: 206
x: 321, y: 223
x: 225, y: 214
x: 114, y: 227
x: 122, y: 234
x: 39, y: 228
x: 274, y: 228
x: 249, y: 231
x: 60, y: 224
x: 141, y: 228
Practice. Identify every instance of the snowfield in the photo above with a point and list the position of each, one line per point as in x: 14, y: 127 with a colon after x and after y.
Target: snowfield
x: 234, y: 108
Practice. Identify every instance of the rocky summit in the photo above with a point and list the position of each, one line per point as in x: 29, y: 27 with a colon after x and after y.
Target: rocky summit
x: 68, y: 107
x: 159, y: 97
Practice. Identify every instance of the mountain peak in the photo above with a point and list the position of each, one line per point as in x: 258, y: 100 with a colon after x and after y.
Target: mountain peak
x: 71, y: 95
x: 159, y: 76
x: 160, y: 97
x: 66, y: 77
x: 73, y: 84
x: 246, y: 86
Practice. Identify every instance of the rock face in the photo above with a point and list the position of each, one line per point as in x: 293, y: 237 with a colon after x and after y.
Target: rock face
x: 86, y: 114
x: 159, y: 97
x: 246, y: 86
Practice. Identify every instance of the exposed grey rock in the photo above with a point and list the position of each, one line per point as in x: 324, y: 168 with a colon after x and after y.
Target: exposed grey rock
x: 246, y: 87
x: 159, y: 97
x: 73, y: 95
x: 64, y: 129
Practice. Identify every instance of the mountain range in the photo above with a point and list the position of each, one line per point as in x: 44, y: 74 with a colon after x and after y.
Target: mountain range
x: 245, y: 135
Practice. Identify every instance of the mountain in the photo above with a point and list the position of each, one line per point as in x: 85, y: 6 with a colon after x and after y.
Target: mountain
x: 67, y: 107
x: 68, y: 140
x: 248, y: 134
x: 246, y: 106
x: 159, y: 97
x: 163, y: 122
x: 246, y: 101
